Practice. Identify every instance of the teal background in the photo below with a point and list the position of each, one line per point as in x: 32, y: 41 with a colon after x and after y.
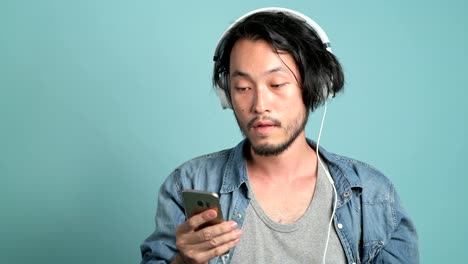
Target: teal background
x: 100, y: 100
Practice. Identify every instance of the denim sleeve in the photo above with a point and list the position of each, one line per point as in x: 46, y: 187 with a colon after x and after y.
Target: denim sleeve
x: 160, y: 247
x: 403, y: 244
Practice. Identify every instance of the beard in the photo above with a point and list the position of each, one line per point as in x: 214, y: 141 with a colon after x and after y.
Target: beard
x: 267, y: 149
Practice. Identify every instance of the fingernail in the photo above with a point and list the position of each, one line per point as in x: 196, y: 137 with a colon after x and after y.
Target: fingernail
x: 211, y: 213
x: 233, y: 224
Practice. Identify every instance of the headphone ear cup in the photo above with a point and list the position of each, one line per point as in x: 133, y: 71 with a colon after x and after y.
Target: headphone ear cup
x: 325, y: 94
x: 328, y: 92
x: 223, y: 98
x: 221, y: 91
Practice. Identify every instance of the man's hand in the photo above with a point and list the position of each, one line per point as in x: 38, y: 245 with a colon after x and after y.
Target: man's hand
x: 199, y: 246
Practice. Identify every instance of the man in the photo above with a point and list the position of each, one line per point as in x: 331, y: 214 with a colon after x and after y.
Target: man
x: 285, y: 199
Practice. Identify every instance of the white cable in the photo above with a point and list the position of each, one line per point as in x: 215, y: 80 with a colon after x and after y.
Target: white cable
x: 330, y: 179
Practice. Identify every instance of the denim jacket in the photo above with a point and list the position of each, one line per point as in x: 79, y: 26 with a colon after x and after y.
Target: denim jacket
x: 370, y: 221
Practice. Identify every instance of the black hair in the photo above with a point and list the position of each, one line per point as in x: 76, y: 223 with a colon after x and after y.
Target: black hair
x: 321, y: 74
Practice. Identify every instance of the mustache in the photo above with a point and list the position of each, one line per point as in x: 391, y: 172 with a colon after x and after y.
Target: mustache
x: 275, y: 121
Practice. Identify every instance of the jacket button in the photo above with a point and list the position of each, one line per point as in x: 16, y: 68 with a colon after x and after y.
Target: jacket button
x: 340, y: 225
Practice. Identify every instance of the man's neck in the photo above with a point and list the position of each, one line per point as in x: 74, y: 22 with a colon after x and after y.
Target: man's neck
x: 299, y: 160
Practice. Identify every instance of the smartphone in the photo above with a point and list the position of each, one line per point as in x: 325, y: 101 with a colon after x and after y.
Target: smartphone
x: 196, y: 202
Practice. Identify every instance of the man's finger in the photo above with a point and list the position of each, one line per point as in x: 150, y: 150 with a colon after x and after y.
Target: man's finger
x: 202, y: 255
x: 196, y: 221
x: 209, y: 233
x: 222, y: 239
x: 220, y: 250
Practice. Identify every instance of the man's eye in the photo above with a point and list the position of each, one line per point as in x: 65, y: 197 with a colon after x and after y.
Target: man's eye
x: 242, y: 89
x: 278, y: 85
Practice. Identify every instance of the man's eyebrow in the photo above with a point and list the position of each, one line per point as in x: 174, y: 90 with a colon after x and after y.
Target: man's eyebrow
x: 238, y: 73
x: 277, y: 69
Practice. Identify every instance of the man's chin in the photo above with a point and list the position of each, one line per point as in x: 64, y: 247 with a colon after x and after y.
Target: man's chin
x: 269, y: 149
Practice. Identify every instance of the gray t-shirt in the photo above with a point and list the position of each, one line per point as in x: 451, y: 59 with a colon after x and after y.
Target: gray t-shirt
x: 265, y: 241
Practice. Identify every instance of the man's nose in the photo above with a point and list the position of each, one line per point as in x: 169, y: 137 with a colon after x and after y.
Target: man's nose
x: 261, y: 100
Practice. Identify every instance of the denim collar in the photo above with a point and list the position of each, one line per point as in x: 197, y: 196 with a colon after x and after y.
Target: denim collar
x: 235, y: 172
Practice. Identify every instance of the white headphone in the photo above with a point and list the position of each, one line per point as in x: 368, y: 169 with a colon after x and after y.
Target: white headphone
x: 314, y: 26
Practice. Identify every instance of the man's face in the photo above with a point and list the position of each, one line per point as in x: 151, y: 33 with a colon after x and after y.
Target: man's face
x: 266, y: 96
